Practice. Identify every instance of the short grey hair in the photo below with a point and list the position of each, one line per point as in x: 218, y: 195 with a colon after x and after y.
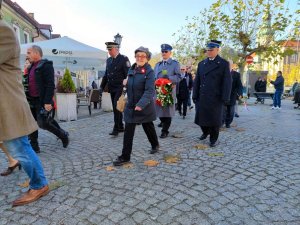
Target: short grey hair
x: 38, y: 49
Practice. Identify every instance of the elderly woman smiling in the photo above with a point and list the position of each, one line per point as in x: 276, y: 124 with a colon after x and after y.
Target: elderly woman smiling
x: 140, y: 104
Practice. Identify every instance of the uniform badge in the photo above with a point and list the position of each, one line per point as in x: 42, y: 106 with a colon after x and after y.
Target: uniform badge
x: 128, y: 64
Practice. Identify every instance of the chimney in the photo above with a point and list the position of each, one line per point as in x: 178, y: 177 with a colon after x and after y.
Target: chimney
x: 31, y: 15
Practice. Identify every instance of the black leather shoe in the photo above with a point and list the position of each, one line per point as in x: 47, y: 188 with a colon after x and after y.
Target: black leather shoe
x: 154, y: 149
x: 203, y: 137
x: 227, y: 125
x: 163, y: 135
x: 213, y: 144
x: 120, y: 161
x: 65, y: 140
x: 159, y: 125
x: 114, y: 133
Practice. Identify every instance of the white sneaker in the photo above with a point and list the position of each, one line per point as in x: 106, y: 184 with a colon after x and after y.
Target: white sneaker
x: 277, y: 107
x: 273, y: 107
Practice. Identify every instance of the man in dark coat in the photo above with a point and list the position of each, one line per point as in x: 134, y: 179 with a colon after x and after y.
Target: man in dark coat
x: 212, y: 87
x: 236, y: 91
x: 40, y: 95
x: 117, y: 66
x: 279, y: 86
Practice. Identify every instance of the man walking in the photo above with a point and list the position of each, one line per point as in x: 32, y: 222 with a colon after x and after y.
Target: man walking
x: 170, y: 69
x: 212, y: 87
x: 16, y: 121
x: 117, y: 67
x: 40, y: 95
x: 236, y: 92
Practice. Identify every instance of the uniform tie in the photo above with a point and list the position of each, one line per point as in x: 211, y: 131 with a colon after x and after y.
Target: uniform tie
x: 164, y: 63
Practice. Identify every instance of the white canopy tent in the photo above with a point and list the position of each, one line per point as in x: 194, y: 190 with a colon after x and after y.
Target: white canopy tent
x: 66, y: 52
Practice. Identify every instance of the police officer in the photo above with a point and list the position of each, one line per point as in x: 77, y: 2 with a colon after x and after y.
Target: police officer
x: 170, y: 69
x: 117, y: 66
x: 212, y: 87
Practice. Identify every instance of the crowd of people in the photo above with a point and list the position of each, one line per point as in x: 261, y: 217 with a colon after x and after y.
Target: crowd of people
x: 151, y: 93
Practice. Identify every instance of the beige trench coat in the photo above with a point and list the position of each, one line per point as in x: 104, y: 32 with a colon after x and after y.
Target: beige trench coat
x: 16, y: 119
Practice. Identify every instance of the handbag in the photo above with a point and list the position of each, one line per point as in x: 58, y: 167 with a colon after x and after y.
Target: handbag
x: 122, y: 101
x: 44, y: 118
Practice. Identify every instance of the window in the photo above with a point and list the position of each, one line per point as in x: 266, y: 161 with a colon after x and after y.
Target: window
x: 294, y: 58
x: 26, y: 37
x: 17, y: 30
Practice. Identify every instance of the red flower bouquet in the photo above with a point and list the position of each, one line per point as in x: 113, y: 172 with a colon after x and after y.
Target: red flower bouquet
x: 163, y: 89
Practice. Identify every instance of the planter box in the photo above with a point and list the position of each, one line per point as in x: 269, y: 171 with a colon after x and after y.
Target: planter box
x: 106, y: 102
x: 66, y: 106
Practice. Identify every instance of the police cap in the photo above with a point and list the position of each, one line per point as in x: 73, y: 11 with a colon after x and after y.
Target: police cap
x: 213, y: 44
x: 110, y: 45
x: 166, y: 47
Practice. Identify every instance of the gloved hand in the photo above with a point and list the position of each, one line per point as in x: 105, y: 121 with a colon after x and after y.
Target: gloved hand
x: 194, y: 100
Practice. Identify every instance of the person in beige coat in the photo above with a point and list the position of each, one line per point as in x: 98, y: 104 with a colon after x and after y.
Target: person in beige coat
x: 16, y: 120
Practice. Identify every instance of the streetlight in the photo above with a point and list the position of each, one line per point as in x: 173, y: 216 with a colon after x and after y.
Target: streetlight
x: 118, y: 39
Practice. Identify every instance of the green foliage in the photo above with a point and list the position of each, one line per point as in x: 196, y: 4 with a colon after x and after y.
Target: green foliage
x: 66, y: 84
x: 245, y: 26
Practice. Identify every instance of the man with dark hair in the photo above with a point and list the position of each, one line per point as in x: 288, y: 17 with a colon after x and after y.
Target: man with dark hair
x: 40, y: 95
x: 278, y: 85
x: 16, y: 121
x: 212, y: 87
x: 117, y: 67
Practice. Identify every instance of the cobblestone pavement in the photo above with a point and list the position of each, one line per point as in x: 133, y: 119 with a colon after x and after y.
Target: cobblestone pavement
x: 251, y: 177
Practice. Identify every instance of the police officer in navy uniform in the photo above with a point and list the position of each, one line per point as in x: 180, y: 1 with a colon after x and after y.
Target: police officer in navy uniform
x: 212, y: 88
x: 117, y: 67
x: 170, y: 69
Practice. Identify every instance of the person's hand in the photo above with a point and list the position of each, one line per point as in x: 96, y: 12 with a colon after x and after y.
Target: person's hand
x: 194, y: 100
x: 125, y: 82
x: 48, y: 107
x: 137, y: 108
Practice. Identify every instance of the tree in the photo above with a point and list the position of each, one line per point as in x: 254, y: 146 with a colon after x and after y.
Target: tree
x: 247, y: 26
x: 66, y: 84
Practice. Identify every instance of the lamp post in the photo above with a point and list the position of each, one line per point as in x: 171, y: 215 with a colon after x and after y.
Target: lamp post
x: 118, y: 39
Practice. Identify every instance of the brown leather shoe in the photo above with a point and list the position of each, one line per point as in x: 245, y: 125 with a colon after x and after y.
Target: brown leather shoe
x: 31, y: 196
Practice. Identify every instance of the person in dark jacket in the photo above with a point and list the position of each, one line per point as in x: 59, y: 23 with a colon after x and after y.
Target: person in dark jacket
x: 94, y: 86
x: 40, y: 94
x: 140, y: 107
x: 117, y: 66
x: 212, y: 87
x: 236, y: 91
x: 184, y: 87
x: 278, y: 85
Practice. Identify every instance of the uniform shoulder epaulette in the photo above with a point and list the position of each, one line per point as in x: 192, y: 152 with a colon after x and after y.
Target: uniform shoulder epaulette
x: 174, y: 60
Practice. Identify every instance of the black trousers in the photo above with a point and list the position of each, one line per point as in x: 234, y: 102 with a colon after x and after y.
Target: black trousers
x: 182, y: 103
x: 118, y: 116
x: 52, y: 126
x: 129, y: 134
x: 228, y: 114
x: 166, y: 123
x: 213, y: 132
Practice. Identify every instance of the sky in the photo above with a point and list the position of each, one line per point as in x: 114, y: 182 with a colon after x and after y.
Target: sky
x: 94, y: 22
x: 140, y: 22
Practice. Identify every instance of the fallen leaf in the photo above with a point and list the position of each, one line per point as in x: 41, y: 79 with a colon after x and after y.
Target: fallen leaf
x: 201, y: 147
x: 222, y: 129
x: 110, y: 168
x: 239, y: 129
x: 56, y: 184
x: 25, y: 184
x: 177, y: 135
x: 151, y: 163
x: 216, y: 154
x: 128, y: 165
x: 171, y: 158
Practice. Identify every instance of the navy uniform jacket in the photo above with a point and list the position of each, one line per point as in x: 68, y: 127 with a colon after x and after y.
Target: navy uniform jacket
x: 212, y: 87
x: 116, y: 71
x: 173, y: 73
x: 236, y: 88
x: 140, y: 92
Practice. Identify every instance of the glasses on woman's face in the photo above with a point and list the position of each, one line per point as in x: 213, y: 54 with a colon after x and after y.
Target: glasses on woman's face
x: 140, y: 56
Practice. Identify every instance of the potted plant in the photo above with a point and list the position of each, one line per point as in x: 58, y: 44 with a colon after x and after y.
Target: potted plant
x: 66, y: 98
